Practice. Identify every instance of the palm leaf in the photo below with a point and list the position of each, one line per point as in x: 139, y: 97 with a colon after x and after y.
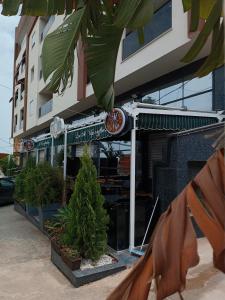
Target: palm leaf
x: 134, y: 14
x: 216, y: 57
x: 38, y: 7
x: 195, y: 14
x: 205, y: 33
x: 10, y: 7
x: 58, y: 51
x: 101, y: 51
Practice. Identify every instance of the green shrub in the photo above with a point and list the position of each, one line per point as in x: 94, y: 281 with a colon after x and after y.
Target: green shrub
x: 7, y: 164
x: 20, y: 180
x: 43, y: 185
x: 88, y: 226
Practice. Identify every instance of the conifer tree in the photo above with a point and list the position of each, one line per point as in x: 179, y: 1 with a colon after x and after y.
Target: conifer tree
x: 90, y: 218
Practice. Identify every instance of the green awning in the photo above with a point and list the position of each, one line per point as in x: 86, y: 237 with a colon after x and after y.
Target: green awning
x: 78, y: 136
x: 43, y: 143
x: 172, y: 122
x: 87, y: 134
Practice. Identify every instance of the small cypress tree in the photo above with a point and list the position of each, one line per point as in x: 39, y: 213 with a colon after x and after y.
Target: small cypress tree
x: 43, y: 185
x: 20, y: 179
x: 90, y: 218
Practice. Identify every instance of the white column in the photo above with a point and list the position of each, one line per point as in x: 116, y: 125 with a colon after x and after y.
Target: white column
x: 52, y: 152
x: 65, y: 154
x: 132, y: 186
x: 37, y: 156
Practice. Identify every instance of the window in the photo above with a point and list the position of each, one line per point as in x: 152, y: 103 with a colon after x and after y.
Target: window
x: 171, y: 93
x: 15, y: 123
x: 22, y: 91
x: 197, y: 85
x: 202, y: 102
x: 152, y: 98
x: 192, y: 94
x: 160, y: 23
x: 21, y: 118
x: 16, y: 98
x: 31, y: 108
x: 32, y: 74
x: 33, y: 40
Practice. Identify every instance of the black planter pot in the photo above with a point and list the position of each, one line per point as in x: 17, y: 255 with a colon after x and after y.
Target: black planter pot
x: 47, y: 212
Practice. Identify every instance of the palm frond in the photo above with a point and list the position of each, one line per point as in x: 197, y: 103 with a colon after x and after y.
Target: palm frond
x: 38, y: 8
x: 58, y: 51
x: 211, y: 11
x: 101, y: 52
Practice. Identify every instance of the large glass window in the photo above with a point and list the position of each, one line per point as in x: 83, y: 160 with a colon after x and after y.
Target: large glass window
x: 190, y: 93
x: 197, y: 85
x: 152, y: 98
x: 171, y: 93
x: 202, y: 102
x: 160, y: 23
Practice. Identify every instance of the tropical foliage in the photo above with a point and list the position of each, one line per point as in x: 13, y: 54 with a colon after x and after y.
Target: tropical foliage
x: 99, y: 25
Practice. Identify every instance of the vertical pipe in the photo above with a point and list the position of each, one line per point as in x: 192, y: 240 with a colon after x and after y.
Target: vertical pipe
x: 36, y: 156
x: 132, y: 186
x: 65, y: 154
x: 52, y: 151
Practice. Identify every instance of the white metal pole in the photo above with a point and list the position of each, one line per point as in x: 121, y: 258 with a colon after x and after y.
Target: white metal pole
x: 65, y: 154
x: 132, y: 186
x: 36, y: 156
x: 52, y: 151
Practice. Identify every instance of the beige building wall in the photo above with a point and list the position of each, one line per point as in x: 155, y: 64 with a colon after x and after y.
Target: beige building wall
x: 160, y: 56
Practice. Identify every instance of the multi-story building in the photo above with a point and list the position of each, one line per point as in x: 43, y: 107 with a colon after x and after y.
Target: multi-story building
x: 163, y: 93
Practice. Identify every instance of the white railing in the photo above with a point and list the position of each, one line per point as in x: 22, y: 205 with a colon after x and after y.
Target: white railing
x: 45, y: 108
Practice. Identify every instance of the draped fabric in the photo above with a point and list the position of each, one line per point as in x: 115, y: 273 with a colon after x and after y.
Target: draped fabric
x: 173, y: 246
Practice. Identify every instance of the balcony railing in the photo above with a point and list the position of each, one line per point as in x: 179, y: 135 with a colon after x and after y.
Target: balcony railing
x: 160, y: 23
x: 21, y: 125
x: 45, y: 108
x: 47, y: 27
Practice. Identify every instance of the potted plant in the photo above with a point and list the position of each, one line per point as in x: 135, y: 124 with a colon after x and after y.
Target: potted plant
x: 84, y: 220
x: 71, y: 257
x: 19, y: 195
x: 44, y: 190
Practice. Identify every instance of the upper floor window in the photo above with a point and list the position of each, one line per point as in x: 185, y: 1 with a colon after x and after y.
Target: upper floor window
x: 21, y: 118
x: 15, y: 123
x: 160, y: 23
x: 33, y: 40
x: 32, y: 74
x: 31, y: 108
x: 16, y: 98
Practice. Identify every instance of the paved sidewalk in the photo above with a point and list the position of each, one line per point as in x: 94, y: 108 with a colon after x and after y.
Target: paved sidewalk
x: 26, y: 272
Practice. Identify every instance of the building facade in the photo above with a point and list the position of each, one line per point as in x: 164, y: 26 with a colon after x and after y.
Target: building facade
x: 158, y: 94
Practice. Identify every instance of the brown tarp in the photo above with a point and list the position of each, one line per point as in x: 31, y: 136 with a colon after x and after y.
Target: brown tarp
x: 173, y: 246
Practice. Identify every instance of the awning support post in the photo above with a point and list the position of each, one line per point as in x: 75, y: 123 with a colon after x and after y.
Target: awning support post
x: 132, y: 186
x: 52, y: 152
x: 37, y: 156
x: 65, y: 154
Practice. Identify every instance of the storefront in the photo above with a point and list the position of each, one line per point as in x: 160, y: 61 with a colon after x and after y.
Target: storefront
x: 124, y: 147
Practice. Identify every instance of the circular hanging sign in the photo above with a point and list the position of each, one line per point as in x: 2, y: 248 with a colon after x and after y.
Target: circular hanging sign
x: 57, y: 127
x: 115, y: 121
x: 28, y: 145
